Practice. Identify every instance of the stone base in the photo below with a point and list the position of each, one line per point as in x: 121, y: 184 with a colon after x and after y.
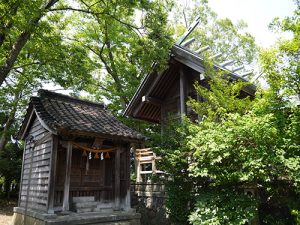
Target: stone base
x: 71, y: 218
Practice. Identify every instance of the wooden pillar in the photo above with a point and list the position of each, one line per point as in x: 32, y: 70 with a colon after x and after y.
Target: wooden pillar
x: 51, y: 185
x: 127, y: 199
x: 66, y: 205
x: 117, y: 179
x: 22, y: 174
x: 136, y: 162
x: 153, y: 164
x: 182, y: 94
x: 138, y: 170
x: 162, y: 119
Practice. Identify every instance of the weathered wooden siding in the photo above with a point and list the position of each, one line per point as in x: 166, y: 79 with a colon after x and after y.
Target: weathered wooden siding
x: 37, y: 192
x: 171, y: 103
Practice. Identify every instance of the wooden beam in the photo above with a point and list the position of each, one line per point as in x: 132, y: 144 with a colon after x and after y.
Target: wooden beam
x: 149, y: 89
x: 146, y: 172
x: 203, y: 49
x: 237, y: 69
x: 137, y: 109
x: 201, y: 77
x: 182, y: 93
x: 216, y: 56
x: 144, y: 150
x: 152, y: 100
x: 247, y: 74
x: 188, y: 42
x: 52, y: 175
x: 227, y: 63
x: 190, y: 30
x: 117, y: 179
x: 195, y: 62
x: 188, y: 59
x: 66, y: 204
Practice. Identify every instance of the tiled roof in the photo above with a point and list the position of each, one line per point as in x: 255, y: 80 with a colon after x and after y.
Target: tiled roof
x: 62, y: 112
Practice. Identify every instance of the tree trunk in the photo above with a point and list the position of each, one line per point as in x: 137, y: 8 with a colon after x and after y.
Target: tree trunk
x: 9, y: 122
x: 13, y: 55
x: 7, y: 183
x: 4, y: 27
x: 21, y: 41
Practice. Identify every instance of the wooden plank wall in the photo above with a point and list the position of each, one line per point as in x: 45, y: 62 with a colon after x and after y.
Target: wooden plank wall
x: 96, y: 181
x: 171, y: 103
x: 38, y: 188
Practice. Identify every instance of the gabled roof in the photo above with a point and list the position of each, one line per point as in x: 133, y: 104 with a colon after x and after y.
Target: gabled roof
x: 157, y: 85
x: 61, y: 113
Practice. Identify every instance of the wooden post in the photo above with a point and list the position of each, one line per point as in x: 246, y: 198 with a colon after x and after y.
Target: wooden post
x: 138, y: 171
x: 162, y: 119
x: 182, y: 93
x: 22, y: 173
x: 127, y: 199
x: 51, y: 182
x: 29, y: 180
x: 117, y: 179
x: 66, y: 205
x: 153, y: 164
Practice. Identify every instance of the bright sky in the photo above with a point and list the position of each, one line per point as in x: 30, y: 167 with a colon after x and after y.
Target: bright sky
x: 256, y: 13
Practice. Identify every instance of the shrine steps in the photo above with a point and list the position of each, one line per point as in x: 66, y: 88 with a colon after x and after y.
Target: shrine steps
x: 88, y: 204
x: 72, y: 218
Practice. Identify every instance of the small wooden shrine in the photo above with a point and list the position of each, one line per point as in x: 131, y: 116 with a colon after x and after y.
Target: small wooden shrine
x: 76, y: 160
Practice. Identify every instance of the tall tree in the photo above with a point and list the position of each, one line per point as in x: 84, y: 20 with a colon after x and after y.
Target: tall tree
x: 124, y: 38
x: 19, y: 21
x: 46, y: 58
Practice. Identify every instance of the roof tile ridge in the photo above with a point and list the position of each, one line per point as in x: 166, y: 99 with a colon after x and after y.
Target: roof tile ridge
x: 69, y: 99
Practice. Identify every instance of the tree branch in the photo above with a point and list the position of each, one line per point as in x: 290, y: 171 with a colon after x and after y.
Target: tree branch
x: 88, y: 11
x: 74, y: 9
x: 28, y: 64
x: 21, y: 41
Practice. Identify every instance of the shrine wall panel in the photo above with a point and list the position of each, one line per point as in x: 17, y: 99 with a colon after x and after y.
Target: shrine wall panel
x: 36, y: 167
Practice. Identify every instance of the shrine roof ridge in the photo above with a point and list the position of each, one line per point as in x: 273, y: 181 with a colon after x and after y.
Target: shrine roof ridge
x: 60, y: 113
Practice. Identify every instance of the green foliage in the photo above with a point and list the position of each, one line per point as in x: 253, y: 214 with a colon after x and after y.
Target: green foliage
x: 10, y: 166
x: 261, y: 142
x: 241, y: 143
x: 256, y: 144
x: 97, y: 46
x: 282, y: 61
x: 215, y: 207
x: 179, y: 184
x: 259, y: 147
x: 124, y: 39
x: 221, y: 98
x: 180, y: 200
